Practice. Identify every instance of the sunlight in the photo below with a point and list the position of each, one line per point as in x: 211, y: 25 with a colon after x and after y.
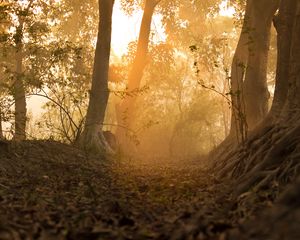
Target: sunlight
x: 226, y: 10
x: 141, y: 119
x: 126, y: 29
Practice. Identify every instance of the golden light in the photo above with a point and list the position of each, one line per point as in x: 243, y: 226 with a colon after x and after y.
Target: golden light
x: 125, y: 29
x: 226, y: 10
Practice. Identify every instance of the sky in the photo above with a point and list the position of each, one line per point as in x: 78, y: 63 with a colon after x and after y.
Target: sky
x: 126, y: 29
x: 226, y: 10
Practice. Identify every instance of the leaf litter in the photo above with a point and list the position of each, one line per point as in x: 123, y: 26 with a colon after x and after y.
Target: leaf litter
x: 49, y: 190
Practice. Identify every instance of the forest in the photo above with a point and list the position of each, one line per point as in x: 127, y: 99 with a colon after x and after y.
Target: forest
x: 150, y: 119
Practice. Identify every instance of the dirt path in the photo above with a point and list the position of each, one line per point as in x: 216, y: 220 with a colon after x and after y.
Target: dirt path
x: 52, y: 191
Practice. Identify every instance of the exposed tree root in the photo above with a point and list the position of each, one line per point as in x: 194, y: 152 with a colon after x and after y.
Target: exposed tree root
x: 225, y: 152
x: 94, y: 142
x: 271, y: 153
x: 277, y: 223
x: 277, y: 155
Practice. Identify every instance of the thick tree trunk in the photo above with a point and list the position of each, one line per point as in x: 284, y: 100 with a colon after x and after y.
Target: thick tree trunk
x: 255, y: 91
x: 293, y: 99
x: 92, y: 138
x: 125, y: 111
x: 283, y: 23
x: 1, y: 130
x: 286, y: 143
x: 19, y: 89
x: 272, y: 151
x: 249, y: 89
x: 238, y: 127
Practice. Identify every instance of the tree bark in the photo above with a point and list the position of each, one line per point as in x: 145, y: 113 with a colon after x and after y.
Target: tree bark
x: 274, y: 145
x: 238, y: 127
x: 92, y: 138
x: 136, y: 73
x: 1, y: 129
x: 293, y: 98
x: 255, y: 91
x: 283, y: 23
x: 19, y: 89
x: 249, y: 90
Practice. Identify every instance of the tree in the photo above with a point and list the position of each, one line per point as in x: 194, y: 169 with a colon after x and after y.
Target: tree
x: 249, y: 89
x: 283, y: 23
x: 175, y: 15
x: 136, y: 73
x: 1, y: 129
x: 92, y: 137
x: 28, y: 27
x: 68, y: 57
x: 270, y: 153
x: 4, y: 21
x: 255, y: 87
x: 19, y: 89
x: 181, y: 20
x: 238, y: 125
x: 240, y: 70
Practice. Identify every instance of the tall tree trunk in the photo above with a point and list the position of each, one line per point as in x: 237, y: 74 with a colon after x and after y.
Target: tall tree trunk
x: 293, y: 98
x: 1, y: 130
x: 136, y: 73
x: 289, y: 119
x: 255, y: 86
x: 92, y: 138
x: 19, y: 89
x: 249, y: 68
x: 283, y: 23
x: 273, y: 145
x: 238, y: 125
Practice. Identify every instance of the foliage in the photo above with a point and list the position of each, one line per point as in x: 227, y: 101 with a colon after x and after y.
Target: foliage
x: 54, y: 68
x: 58, y: 61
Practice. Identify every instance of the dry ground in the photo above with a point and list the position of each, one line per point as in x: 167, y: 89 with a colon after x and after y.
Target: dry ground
x: 53, y: 191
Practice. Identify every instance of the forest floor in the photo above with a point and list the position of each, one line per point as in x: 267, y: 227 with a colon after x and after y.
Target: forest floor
x: 53, y: 191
